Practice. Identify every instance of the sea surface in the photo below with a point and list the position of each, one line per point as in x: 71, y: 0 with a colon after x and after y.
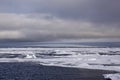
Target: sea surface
x: 89, y: 55
x: 58, y: 44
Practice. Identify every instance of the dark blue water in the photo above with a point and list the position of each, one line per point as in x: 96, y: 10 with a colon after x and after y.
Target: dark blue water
x: 58, y: 44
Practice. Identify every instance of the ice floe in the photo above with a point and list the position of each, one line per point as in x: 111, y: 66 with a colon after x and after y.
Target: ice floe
x: 91, y: 58
x: 112, y: 76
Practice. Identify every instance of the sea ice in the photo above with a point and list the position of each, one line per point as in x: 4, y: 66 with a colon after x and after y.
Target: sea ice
x: 112, y: 76
x: 91, y: 58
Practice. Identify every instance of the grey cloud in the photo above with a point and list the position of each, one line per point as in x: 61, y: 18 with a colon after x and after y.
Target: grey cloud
x: 59, y: 19
x: 28, y: 27
x: 100, y: 11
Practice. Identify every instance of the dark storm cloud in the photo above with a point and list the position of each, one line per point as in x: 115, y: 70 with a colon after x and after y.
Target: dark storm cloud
x: 59, y: 19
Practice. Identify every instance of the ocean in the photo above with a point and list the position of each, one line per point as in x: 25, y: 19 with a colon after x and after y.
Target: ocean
x: 87, y: 55
x: 58, y: 44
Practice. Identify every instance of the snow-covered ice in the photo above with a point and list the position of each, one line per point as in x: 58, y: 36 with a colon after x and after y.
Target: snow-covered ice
x: 91, y: 58
x: 113, y: 76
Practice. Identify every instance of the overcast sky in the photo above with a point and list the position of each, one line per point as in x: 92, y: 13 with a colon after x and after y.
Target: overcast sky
x: 48, y: 20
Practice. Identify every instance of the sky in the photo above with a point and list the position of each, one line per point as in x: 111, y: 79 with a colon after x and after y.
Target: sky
x: 49, y: 20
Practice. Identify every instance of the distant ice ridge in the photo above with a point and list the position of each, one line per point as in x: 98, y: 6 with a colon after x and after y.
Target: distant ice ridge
x: 91, y: 58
